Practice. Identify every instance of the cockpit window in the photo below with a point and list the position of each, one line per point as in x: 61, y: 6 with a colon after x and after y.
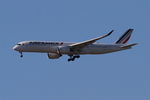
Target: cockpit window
x: 18, y: 44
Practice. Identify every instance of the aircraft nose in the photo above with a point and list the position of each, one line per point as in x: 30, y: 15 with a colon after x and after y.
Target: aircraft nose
x: 16, y: 48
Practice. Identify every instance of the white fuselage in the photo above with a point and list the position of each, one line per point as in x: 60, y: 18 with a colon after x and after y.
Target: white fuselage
x: 53, y: 47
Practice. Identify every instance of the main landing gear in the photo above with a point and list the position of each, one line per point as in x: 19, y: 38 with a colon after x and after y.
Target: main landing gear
x: 21, y: 54
x: 72, y: 57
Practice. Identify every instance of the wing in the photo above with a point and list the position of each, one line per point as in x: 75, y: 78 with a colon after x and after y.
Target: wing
x: 88, y: 42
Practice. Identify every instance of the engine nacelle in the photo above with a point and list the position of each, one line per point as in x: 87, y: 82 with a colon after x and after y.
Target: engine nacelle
x: 53, y: 55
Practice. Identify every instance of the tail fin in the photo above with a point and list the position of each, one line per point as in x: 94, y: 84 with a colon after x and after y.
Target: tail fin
x: 125, y: 37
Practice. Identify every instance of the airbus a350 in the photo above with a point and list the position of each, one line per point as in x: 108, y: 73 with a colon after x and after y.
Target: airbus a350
x: 55, y: 50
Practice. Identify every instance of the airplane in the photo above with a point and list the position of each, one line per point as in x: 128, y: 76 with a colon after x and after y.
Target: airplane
x: 55, y: 50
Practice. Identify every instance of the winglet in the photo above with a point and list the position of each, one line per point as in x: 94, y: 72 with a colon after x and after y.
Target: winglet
x: 105, y: 35
x: 110, y: 32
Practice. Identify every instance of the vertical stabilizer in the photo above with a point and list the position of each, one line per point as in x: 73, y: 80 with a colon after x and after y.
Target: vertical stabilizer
x: 125, y: 37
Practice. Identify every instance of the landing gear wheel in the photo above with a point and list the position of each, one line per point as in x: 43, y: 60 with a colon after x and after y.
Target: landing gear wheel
x: 21, y: 56
x: 77, y: 56
x: 72, y: 58
x: 69, y: 60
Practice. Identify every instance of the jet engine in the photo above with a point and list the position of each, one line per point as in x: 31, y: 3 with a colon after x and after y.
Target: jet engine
x: 53, y: 55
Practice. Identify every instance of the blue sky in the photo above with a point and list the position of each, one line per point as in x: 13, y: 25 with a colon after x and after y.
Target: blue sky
x: 123, y: 75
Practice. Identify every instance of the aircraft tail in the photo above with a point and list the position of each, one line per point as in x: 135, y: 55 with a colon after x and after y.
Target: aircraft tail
x: 125, y: 37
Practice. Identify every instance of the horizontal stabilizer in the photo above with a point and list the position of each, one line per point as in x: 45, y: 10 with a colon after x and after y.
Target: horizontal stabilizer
x: 129, y: 46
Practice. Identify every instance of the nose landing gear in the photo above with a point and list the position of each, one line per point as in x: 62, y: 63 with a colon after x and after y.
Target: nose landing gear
x: 21, y: 54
